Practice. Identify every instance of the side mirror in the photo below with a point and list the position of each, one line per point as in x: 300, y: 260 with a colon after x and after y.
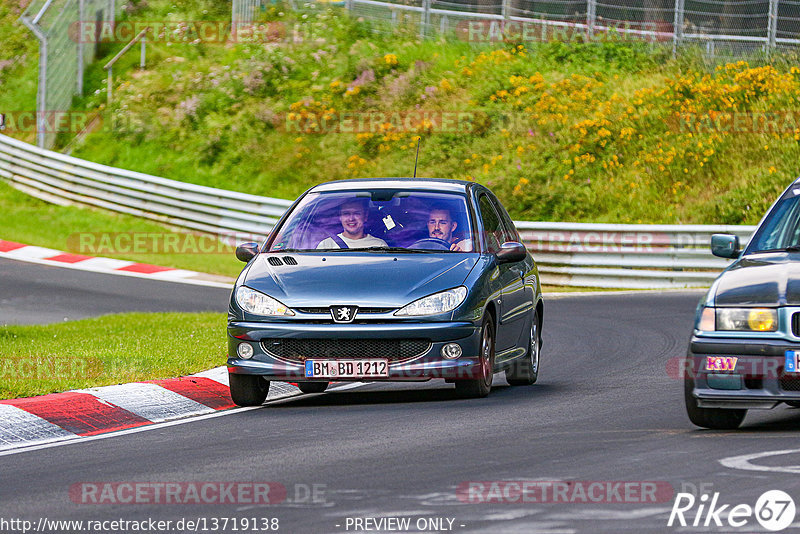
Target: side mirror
x: 246, y: 251
x: 725, y: 245
x: 510, y: 252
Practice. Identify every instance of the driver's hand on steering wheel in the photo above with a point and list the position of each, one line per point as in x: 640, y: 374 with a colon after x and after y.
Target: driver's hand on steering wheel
x: 455, y: 248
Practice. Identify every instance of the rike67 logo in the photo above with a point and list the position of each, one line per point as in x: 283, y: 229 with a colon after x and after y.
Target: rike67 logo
x: 774, y: 510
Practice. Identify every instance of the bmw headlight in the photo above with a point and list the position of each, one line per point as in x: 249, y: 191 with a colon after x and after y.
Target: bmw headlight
x: 436, y: 303
x: 739, y: 319
x: 258, y: 303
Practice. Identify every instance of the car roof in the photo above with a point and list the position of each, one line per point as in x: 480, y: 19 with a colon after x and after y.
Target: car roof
x: 431, y: 184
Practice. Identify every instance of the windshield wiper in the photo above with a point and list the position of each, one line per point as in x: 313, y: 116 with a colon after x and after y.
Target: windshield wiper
x: 400, y: 249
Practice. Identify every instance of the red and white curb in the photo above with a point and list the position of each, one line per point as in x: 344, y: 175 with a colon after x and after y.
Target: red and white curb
x: 49, y: 256
x: 77, y: 414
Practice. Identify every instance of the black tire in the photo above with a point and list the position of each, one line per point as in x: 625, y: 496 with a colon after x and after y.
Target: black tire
x: 312, y: 387
x: 525, y: 371
x: 714, y: 418
x: 248, y: 390
x: 480, y: 387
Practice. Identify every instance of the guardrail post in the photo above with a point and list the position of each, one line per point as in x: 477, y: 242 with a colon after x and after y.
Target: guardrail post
x: 591, y: 17
x: 426, y: 18
x: 772, y: 26
x: 677, y: 27
x: 142, y: 54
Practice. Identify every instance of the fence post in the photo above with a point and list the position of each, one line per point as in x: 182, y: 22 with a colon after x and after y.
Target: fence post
x: 426, y: 18
x: 591, y: 17
x: 506, y: 10
x: 677, y: 27
x: 772, y: 26
x: 81, y: 20
x: 142, y: 55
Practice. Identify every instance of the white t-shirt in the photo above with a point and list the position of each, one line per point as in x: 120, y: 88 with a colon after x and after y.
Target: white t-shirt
x: 365, y: 242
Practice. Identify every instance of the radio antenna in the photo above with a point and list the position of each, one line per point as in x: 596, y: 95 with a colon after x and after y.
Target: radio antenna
x: 416, y: 159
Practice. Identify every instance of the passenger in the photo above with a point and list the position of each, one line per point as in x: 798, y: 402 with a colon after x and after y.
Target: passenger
x: 353, y: 216
x: 442, y: 226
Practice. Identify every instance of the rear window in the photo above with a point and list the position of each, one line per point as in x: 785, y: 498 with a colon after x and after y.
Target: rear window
x: 392, y: 220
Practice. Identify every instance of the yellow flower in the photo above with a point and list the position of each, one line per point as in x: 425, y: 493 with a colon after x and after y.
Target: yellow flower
x: 390, y: 59
x: 445, y: 85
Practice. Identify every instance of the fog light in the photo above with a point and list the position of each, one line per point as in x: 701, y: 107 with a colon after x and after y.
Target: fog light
x: 245, y: 350
x: 451, y: 351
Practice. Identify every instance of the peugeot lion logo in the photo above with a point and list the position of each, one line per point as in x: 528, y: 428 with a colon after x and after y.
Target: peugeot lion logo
x: 343, y: 314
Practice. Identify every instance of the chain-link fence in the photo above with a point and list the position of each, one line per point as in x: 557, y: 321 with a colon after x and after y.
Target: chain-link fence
x: 719, y: 27
x: 63, y: 53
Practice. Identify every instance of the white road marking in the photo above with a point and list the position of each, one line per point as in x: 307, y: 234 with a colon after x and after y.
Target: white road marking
x: 744, y: 462
x: 591, y: 514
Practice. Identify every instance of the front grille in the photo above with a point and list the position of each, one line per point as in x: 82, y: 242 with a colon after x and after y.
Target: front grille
x: 790, y: 383
x: 796, y: 324
x: 360, y: 310
x: 300, y: 350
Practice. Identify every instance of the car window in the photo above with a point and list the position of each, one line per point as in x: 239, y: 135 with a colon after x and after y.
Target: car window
x: 509, y: 230
x: 492, y: 227
x: 781, y: 228
x: 382, y: 219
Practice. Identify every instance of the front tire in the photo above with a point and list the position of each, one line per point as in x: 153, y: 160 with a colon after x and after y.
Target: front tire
x: 248, y: 390
x: 525, y: 372
x: 713, y: 418
x: 480, y: 387
x: 312, y: 387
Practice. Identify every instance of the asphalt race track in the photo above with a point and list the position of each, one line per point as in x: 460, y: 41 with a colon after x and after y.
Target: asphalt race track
x: 605, y: 409
x: 41, y: 294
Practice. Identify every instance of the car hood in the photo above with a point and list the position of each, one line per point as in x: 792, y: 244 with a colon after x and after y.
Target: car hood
x: 360, y: 279
x: 766, y: 279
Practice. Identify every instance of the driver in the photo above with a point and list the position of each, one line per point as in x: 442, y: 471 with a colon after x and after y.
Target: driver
x: 441, y: 226
x: 353, y: 216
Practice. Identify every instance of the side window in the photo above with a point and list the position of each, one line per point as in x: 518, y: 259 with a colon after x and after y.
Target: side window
x: 492, y: 227
x: 509, y: 230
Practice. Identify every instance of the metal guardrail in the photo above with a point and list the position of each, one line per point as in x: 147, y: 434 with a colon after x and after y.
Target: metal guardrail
x: 63, y: 179
x: 574, y: 254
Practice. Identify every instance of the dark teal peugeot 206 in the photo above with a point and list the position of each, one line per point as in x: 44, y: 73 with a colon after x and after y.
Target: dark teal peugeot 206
x: 745, y: 349
x: 393, y: 279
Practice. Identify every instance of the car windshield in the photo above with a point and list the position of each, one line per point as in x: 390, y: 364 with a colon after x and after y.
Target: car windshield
x: 781, y: 229
x: 381, y: 220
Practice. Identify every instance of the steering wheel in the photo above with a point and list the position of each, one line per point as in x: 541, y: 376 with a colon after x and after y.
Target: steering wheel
x: 430, y: 243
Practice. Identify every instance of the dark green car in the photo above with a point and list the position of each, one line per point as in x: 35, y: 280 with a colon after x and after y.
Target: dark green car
x: 386, y: 280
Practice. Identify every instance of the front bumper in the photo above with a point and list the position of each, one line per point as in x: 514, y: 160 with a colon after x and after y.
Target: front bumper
x: 427, y: 365
x: 758, y: 378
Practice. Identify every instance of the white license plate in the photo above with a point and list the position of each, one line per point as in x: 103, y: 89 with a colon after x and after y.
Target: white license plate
x: 373, y: 368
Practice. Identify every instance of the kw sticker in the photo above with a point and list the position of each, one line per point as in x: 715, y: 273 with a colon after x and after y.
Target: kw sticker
x: 721, y: 363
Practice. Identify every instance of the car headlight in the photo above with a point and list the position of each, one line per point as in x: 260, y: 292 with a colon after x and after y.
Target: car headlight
x: 258, y: 303
x: 739, y: 319
x: 436, y: 303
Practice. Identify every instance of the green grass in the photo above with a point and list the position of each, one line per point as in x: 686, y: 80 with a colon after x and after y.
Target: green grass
x: 565, y: 132
x: 25, y: 219
x: 19, y: 57
x: 108, y: 350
